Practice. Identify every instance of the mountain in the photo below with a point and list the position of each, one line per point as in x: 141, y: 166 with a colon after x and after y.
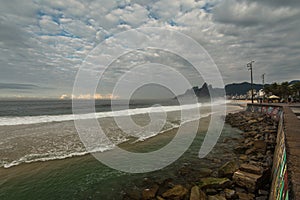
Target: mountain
x: 204, y: 92
x: 293, y: 82
x: 241, y: 88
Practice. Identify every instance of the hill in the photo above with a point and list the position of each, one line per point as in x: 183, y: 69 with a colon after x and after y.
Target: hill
x: 241, y: 88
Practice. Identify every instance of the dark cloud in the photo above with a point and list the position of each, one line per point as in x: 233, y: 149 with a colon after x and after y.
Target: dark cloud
x: 281, y: 3
x: 17, y: 86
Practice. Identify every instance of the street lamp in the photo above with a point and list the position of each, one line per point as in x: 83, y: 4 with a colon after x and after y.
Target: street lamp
x: 263, y: 82
x: 249, y: 66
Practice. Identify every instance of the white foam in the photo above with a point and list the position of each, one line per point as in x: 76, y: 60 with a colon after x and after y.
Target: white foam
x: 30, y: 158
x: 59, y: 118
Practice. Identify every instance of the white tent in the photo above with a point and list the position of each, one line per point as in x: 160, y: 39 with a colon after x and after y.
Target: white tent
x: 274, y: 97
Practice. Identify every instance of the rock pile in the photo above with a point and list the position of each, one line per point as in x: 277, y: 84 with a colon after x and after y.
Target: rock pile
x: 245, y: 177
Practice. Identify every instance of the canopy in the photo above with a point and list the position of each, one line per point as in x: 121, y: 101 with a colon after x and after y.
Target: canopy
x: 274, y: 97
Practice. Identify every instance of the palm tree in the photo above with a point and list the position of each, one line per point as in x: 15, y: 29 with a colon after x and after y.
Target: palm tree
x: 285, y: 90
x: 296, y: 89
x: 282, y: 90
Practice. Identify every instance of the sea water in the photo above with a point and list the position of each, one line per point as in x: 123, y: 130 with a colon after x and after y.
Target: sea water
x: 34, y: 131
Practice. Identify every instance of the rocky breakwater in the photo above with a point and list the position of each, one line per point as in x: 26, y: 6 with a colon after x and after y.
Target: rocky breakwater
x: 242, y: 174
x: 255, y: 150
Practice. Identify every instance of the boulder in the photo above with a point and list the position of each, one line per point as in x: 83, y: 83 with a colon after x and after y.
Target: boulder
x: 261, y: 198
x: 263, y: 192
x: 132, y: 195
x: 204, y: 172
x: 243, y: 157
x: 229, y: 194
x: 247, y: 180
x: 183, y: 171
x: 216, y: 197
x: 250, y: 133
x: 241, y: 149
x: 177, y: 192
x: 228, y: 169
x: 260, y: 146
x: 197, y: 194
x: 211, y: 191
x: 251, y: 169
x: 150, y: 193
x: 250, y: 151
x: 214, y: 182
x: 245, y: 196
x: 252, y: 121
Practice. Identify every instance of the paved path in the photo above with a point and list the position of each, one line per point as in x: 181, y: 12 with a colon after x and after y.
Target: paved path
x: 292, y: 130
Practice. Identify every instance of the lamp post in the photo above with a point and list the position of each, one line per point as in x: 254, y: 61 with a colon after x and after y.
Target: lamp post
x: 249, y: 66
x: 263, y: 82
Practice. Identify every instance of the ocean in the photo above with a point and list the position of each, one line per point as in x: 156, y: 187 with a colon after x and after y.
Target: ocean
x: 43, y: 157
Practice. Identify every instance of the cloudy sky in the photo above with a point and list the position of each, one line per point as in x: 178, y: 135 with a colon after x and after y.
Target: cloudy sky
x: 43, y: 43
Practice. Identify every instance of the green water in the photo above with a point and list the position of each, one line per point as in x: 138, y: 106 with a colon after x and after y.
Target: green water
x: 86, y: 178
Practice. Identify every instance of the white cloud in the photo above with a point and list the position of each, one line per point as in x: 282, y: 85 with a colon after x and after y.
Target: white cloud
x: 44, y: 42
x: 89, y: 96
x: 48, y: 26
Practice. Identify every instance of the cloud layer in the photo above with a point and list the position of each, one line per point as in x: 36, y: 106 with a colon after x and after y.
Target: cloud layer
x: 44, y: 42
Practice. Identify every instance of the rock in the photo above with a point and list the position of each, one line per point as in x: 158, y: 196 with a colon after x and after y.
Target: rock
x: 260, y: 146
x: 225, y: 140
x: 132, y: 195
x: 259, y: 137
x: 252, y: 121
x: 204, y: 172
x: 250, y: 133
x: 211, y: 191
x: 183, y: 171
x: 216, y: 197
x: 214, y: 182
x: 147, y: 182
x: 249, y: 144
x: 260, y: 156
x: 245, y: 196
x: 254, y: 158
x: 240, y: 149
x: 215, y: 160
x: 261, y: 198
x: 197, y: 194
x: 247, y: 180
x: 240, y: 190
x: 250, y: 151
x: 150, y: 193
x: 251, y: 169
x: 263, y: 192
x: 243, y: 157
x: 177, y: 192
x: 229, y: 194
x: 167, y: 183
x: 228, y: 169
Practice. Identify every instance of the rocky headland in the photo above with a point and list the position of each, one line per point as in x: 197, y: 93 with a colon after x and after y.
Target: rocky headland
x: 243, y: 172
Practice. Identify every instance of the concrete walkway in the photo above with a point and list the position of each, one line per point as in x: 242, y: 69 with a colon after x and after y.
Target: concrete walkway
x: 292, y: 130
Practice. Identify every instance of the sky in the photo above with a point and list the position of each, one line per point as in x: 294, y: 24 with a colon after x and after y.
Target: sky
x: 44, y: 43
